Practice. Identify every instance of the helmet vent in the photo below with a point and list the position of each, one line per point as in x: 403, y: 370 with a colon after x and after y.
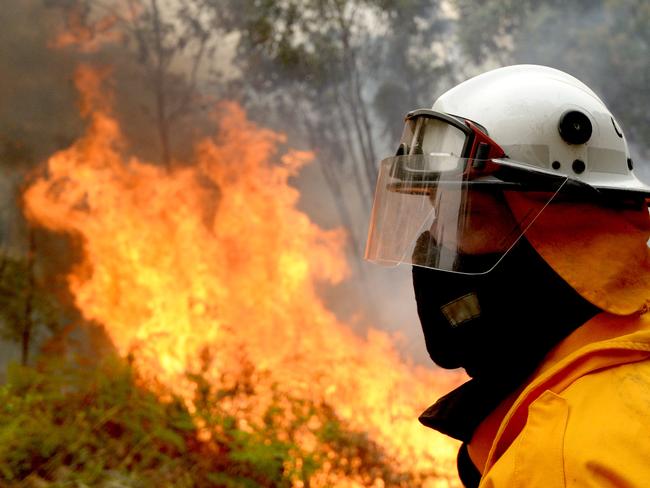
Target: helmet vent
x: 556, y: 165
x: 575, y: 127
x: 578, y: 166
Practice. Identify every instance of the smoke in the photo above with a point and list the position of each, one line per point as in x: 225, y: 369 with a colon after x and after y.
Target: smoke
x: 404, y: 59
x: 38, y: 115
x: 37, y: 98
x: 602, y: 45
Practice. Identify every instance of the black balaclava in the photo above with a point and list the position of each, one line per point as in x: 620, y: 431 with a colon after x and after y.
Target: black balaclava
x: 497, y: 326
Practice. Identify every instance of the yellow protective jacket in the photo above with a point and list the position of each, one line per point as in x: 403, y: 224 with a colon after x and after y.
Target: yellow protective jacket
x: 584, y: 418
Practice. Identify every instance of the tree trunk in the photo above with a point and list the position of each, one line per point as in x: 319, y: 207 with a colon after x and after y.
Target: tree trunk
x: 332, y: 178
x: 29, y: 299
x: 352, y: 150
x: 357, y: 104
x: 159, y: 84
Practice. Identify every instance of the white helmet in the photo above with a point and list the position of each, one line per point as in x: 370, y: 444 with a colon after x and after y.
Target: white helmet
x: 521, y: 131
x: 548, y: 118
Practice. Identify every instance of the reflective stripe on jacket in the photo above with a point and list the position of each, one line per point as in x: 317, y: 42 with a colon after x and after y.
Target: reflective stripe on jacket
x: 584, y: 418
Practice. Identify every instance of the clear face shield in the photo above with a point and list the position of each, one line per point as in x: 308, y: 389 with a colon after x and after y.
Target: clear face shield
x: 441, y: 201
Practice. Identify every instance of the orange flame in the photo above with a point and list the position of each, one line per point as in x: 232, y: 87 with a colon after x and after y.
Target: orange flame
x: 86, y: 35
x: 217, y: 256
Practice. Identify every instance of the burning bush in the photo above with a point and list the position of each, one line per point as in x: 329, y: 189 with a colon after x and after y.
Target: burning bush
x: 95, y: 426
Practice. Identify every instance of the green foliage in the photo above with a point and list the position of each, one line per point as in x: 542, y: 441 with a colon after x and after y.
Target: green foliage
x: 27, y: 310
x: 74, y: 425
x: 86, y: 425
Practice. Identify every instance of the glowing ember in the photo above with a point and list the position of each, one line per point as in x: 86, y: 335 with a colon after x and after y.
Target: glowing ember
x: 216, y: 258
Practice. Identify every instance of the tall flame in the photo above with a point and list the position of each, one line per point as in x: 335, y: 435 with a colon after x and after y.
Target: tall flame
x: 216, y: 256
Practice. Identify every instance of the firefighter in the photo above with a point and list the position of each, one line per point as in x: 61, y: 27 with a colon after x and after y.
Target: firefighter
x: 515, y: 200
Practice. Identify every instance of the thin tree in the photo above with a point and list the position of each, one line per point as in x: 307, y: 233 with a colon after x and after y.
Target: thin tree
x: 169, y: 41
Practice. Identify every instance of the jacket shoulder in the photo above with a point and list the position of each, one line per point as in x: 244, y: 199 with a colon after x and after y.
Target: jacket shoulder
x: 606, y: 440
x: 592, y: 433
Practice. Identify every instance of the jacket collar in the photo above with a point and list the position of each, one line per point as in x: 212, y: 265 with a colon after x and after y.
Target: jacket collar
x: 604, y: 341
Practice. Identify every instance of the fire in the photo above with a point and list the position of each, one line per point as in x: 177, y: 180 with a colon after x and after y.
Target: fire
x: 85, y: 35
x: 216, y: 257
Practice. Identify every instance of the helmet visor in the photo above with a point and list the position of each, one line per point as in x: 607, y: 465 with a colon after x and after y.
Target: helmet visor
x: 449, y: 213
